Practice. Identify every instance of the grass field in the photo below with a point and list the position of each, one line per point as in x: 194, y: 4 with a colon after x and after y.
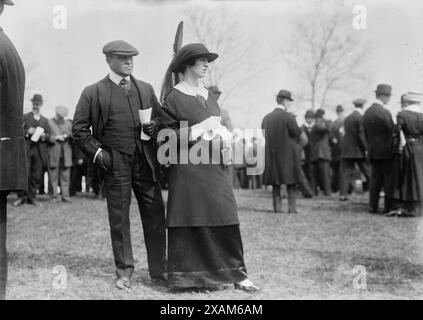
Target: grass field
x: 310, y: 255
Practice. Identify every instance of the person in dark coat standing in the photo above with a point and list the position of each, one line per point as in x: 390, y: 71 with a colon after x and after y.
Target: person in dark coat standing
x: 36, y: 149
x: 353, y: 149
x: 282, y: 152
x: 204, y: 241
x: 379, y: 129
x: 336, y: 145
x: 13, y: 169
x: 111, y: 107
x: 60, y: 154
x: 409, y: 183
x: 310, y: 118
x: 321, y: 153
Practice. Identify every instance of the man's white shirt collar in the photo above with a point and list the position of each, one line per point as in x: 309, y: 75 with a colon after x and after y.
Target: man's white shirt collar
x: 280, y: 106
x: 36, y: 116
x: 189, y: 90
x: 117, y: 78
x: 359, y: 110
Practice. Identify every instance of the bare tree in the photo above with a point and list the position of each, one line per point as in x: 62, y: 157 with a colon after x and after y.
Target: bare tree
x: 221, y: 33
x: 326, y: 52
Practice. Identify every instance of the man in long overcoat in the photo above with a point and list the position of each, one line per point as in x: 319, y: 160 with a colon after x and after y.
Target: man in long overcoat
x: 13, y: 170
x: 321, y: 154
x: 379, y: 129
x: 282, y: 154
x: 111, y: 107
x: 354, y: 148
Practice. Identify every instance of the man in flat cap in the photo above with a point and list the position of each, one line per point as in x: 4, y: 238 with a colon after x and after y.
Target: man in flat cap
x: 282, y: 155
x: 13, y: 169
x: 36, y: 149
x: 111, y: 107
x: 354, y: 148
x: 379, y: 128
x: 60, y: 153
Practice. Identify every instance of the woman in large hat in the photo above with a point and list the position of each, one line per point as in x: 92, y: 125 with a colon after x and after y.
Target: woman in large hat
x: 409, y: 183
x: 204, y: 242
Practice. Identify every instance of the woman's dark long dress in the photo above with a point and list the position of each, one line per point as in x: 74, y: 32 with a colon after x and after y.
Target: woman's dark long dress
x: 204, y: 241
x: 410, y: 181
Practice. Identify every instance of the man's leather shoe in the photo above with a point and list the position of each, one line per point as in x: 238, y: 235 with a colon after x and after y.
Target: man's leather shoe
x: 18, y: 202
x: 250, y: 288
x: 123, y: 283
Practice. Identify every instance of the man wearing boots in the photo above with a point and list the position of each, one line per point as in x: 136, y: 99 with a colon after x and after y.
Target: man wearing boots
x: 282, y: 154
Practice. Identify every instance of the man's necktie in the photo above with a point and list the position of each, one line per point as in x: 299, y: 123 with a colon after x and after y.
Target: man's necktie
x: 124, y: 84
x: 202, y: 100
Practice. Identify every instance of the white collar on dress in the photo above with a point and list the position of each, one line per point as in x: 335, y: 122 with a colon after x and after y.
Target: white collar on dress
x: 189, y: 90
x: 117, y: 78
x: 414, y: 108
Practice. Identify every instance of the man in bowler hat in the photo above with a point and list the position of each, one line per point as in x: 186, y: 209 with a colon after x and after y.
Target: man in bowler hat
x: 354, y: 148
x: 379, y: 128
x: 111, y: 107
x: 13, y: 170
x: 36, y: 149
x: 282, y: 154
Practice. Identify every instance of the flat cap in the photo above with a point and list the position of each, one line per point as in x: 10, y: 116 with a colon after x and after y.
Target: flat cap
x: 285, y: 94
x: 120, y: 47
x: 359, y: 102
x: 320, y: 113
x: 8, y: 2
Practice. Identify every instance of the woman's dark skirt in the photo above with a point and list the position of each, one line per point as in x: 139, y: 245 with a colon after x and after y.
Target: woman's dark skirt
x: 204, y: 257
x: 408, y: 178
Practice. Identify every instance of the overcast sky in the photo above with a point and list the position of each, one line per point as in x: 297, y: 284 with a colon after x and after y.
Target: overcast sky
x: 61, y: 63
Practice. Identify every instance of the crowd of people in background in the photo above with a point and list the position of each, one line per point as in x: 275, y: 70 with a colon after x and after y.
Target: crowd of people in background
x: 367, y: 150
x: 52, y: 154
x: 362, y: 151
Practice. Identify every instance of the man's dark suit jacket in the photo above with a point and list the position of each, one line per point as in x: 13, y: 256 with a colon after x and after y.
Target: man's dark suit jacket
x: 92, y: 113
x: 379, y: 128
x: 13, y: 167
x: 320, y: 140
x: 354, y: 144
x: 42, y: 145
